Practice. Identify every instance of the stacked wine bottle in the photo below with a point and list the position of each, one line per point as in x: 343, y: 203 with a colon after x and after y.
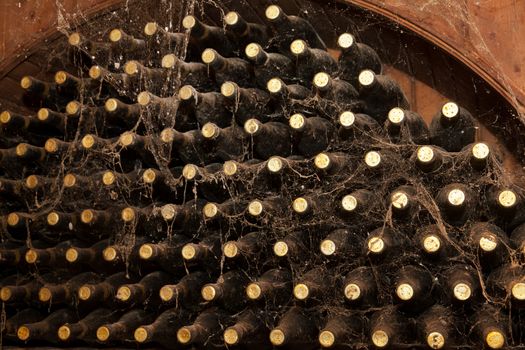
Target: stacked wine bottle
x: 239, y: 186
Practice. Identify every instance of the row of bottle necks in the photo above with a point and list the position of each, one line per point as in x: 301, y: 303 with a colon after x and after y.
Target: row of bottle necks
x: 292, y: 326
x: 371, y: 261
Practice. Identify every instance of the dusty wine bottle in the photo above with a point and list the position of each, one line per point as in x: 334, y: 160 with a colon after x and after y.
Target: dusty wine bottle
x: 206, y: 36
x: 126, y: 44
x: 288, y: 28
x: 287, y: 93
x: 263, y: 136
x: 462, y: 284
x: 65, y: 293
x: 294, y: 246
x: 25, y: 316
x: 312, y: 135
x: 295, y: 327
x: 246, y: 32
x: 104, y: 291
x: 477, y: 155
x: 489, y: 325
x: 245, y: 103
x: 248, y: 329
x: 413, y: 287
x: 228, y: 291
x: 314, y: 286
x: 504, y: 205
x: 227, y: 143
x: 249, y: 247
x: 384, y: 243
x: 405, y: 126
x: 46, y: 329
x: 195, y: 74
x: 453, y: 127
x: 337, y: 91
x: 490, y: 243
x: 456, y: 203
x: 507, y: 285
x: 433, y: 243
x: 206, y: 106
x: 228, y: 69
x: 389, y: 328
x: 124, y: 328
x: 86, y: 328
x: 166, y: 255
x: 90, y: 51
x: 437, y: 326
x: 361, y: 287
x: 206, y: 251
x: 54, y: 256
x: 146, y: 288
x: 185, y: 291
x: 274, y: 286
x: 340, y: 329
x: 309, y: 61
x: 431, y: 159
x: 341, y: 243
x: 161, y: 330
x: 268, y: 65
x: 404, y: 202
x: 162, y: 39
x: 208, y: 322
x: 356, y: 57
x: 358, y: 203
x: 357, y: 126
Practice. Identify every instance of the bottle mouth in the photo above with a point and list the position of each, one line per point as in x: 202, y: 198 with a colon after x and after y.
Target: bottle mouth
x: 210, y: 130
x: 518, y: 291
x: 190, y: 171
x: 252, y: 50
x: 231, y: 336
x: 26, y: 83
x: 150, y: 28
x: 322, y: 161
x: 255, y: 208
x: 280, y: 249
x: 60, y: 77
x: 431, y: 244
x: 72, y: 108
x: 275, y: 164
x: 5, y: 117
x: 64, y: 332
x: 366, y: 77
x: 373, y: 159
x: 326, y: 339
x: 301, y: 291
x: 168, y: 211
x: 488, y: 243
x: 253, y: 291
x: 272, y: 12
x: 231, y: 18
x: 456, y: 197
x: 230, y: 168
x: 328, y: 247
x: 345, y: 40
x: 210, y: 210
x: 425, y: 154
x: 380, y: 338
x: 103, y: 333
x: 450, y: 110
x: 322, y: 80
x: 146, y: 251
x: 111, y: 105
x: 252, y: 126
x: 13, y: 219
x: 51, y: 145
x: 507, y: 198
x: 109, y: 178
x: 399, y: 200
x: 298, y: 47
x: 274, y: 85
x: 495, y: 339
x: 297, y: 121
x: 347, y: 119
x: 168, y: 61
x: 140, y: 334
x: 144, y: 98
x: 376, y: 245
x: 435, y: 340
x: 300, y: 205
x: 352, y: 291
x: 208, y: 293
x: 209, y: 56
x: 95, y: 72
x: 184, y: 335
x: 72, y: 255
x: 349, y: 203
x: 74, y: 39
x: 480, y: 151
x: 462, y: 291
x: 115, y: 35
x: 396, y: 115
x: 277, y: 337
x: 405, y: 292
x: 32, y: 180
x: 189, y: 22
x: 230, y: 250
x: 228, y: 89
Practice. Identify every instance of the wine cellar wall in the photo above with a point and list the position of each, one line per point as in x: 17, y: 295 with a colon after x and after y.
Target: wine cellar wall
x: 239, y: 175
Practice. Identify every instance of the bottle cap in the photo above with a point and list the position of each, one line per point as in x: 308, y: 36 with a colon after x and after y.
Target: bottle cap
x: 184, y: 335
x: 5, y: 294
x: 128, y: 214
x: 32, y: 181
x: 42, y: 114
x: 189, y: 22
x: 230, y: 168
x: 372, y: 159
x: 210, y: 130
x: 252, y: 126
x: 69, y: 180
x: 103, y: 333
x: 64, y: 333
x: 231, y: 337
x: 488, y: 242
x: 111, y: 105
x: 23, y: 333
x: 396, y: 115
x: 31, y: 256
x: 44, y: 294
x: 297, y: 121
x: 274, y: 85
x: 450, y: 110
x: 115, y: 35
x: 146, y: 251
x: 297, y: 47
x: 209, y: 56
x: 26, y: 82
x: 366, y: 77
x: 255, y: 208
x: 507, y: 198
x: 425, y: 154
x: 123, y: 293
x: 13, y: 219
x: 327, y: 247
x: 167, y: 135
x: 74, y: 39
x: 86, y: 216
x: 169, y: 61
x: 110, y: 254
x: 95, y: 72
x: 208, y: 292
x: 380, y: 338
x: 252, y: 50
x: 72, y: 255
x: 144, y: 98
x: 84, y: 293
x: 168, y: 211
x: 462, y: 291
x: 272, y: 12
x: 231, y: 18
x: 150, y: 28
x: 72, y: 108
x: 301, y: 291
x: 190, y: 171
x: 495, y: 339
x: 280, y: 248
x: 435, y: 340
x: 253, y: 291
x: 322, y: 161
x: 51, y: 145
x: 404, y: 291
x: 140, y: 334
x: 230, y: 250
x: 326, y: 339
x: 186, y: 92
x: 228, y: 89
x: 456, y: 197
x: 166, y: 293
x: 431, y: 243
x: 274, y: 164
x: 352, y: 291
x: 60, y: 77
x: 210, y: 210
x: 349, y: 203
x: 127, y: 138
x: 5, y: 117
x: 300, y: 205
x: 188, y: 252
x: 518, y: 291
x: 108, y: 178
x: 399, y: 200
x: 88, y: 141
x: 21, y: 149
x: 376, y: 245
x: 149, y: 176
x: 480, y: 151
x: 345, y: 40
x: 322, y: 80
x: 346, y: 119
x: 277, y: 337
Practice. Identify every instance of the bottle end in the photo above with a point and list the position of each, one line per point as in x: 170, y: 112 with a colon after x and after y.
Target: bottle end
x: 210, y: 210
x: 255, y: 208
x: 31, y: 256
x: 209, y: 56
x: 275, y: 164
x: 252, y: 126
x: 495, y: 340
x: 231, y: 337
x: 372, y: 159
x: 123, y: 293
x: 144, y: 98
x: 5, y: 117
x: 103, y: 333
x: 108, y: 178
x: 272, y: 12
x: 252, y: 50
x: 450, y: 110
x: 188, y: 252
x: 435, y: 340
x: 376, y: 245
x: 301, y: 291
x: 380, y: 338
x: 115, y: 35
x: 5, y: 294
x: 168, y: 61
x: 253, y: 291
x: 110, y: 254
x: 111, y: 105
x: 189, y: 172
x: 84, y: 293
x: 277, y: 337
x: 72, y: 108
x: 186, y: 92
x: 25, y: 83
x: 184, y: 335
x: 149, y: 176
x: 349, y: 203
x: 74, y: 39
x: 280, y: 249
x: 518, y: 291
x: 88, y: 141
x: 86, y: 216
x: 64, y: 333
x: 480, y: 151
x: 32, y: 180
x: 396, y: 115
x: 366, y: 77
x: 431, y: 244
x: 167, y: 135
x: 346, y: 119
x: 168, y: 211
x: 210, y: 130
x: 208, y: 293
x: 131, y: 68
x: 166, y: 293
x: 228, y: 89
x: 231, y: 18
x: 507, y: 199
x: 42, y: 114
x: 462, y: 291
x: 72, y: 255
x: 297, y: 121
x: 150, y: 28
x: 145, y: 251
x: 345, y: 40
x: 60, y: 77
x: 488, y: 242
x: 322, y: 161
x: 44, y: 294
x: 326, y: 339
x: 352, y: 291
x: 298, y: 47
x: 95, y: 72
x: 51, y: 146
x: 127, y: 139
x: 23, y: 333
x: 300, y: 205
x: 140, y: 335
x: 405, y: 292
x: 13, y: 219
x: 189, y: 22
x: 456, y: 197
x: 21, y: 149
x: 425, y: 154
x: 230, y: 168
x: 230, y: 250
x: 128, y: 214
x: 399, y: 200
x: 322, y: 80
x: 274, y: 85
x: 327, y: 247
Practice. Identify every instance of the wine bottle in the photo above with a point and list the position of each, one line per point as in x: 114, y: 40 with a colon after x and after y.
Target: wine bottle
x: 456, y: 203
x: 153, y: 79
x: 383, y: 243
x: 273, y: 286
x: 246, y: 32
x: 357, y: 126
x: 517, y: 237
x: 405, y: 126
x: 248, y: 329
x: 503, y: 205
x: 86, y: 328
x: 161, y: 39
x: 245, y: 103
x: 118, y: 81
x: 341, y: 243
x: 206, y: 251
x: 380, y: 94
x: 206, y: 36
x: 295, y: 327
x: 65, y: 293
x: 432, y: 159
x: 104, y: 291
x: 263, y: 136
x: 294, y: 246
x: 144, y: 290
x: 404, y: 202
x: 46, y: 329
x: 337, y: 91
x: 38, y: 93
x: 478, y: 156
x: 309, y: 61
x: 437, y: 327
x: 310, y: 135
x: 453, y: 127
x: 434, y: 243
x: 209, y: 322
x: 358, y: 203
x: 54, y: 256
x: 166, y: 255
x: 288, y: 28
x: 379, y: 161
x: 227, y: 143
x: 189, y: 146
x: 126, y: 44
x: 25, y: 316
x: 90, y: 51
x: 268, y: 65
x: 506, y: 285
x: 356, y: 57
x: 413, y: 287
x: 314, y: 286
x: 389, y: 328
x: 160, y: 331
x: 206, y: 106
x: 287, y: 94
x: 249, y: 247
x: 228, y: 291
x: 489, y: 327
x: 361, y: 287
x: 341, y: 329
x: 118, y: 111
x: 195, y: 74
x: 185, y: 291
x: 228, y: 69
x: 462, y: 284
x: 490, y: 243
x: 123, y: 329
